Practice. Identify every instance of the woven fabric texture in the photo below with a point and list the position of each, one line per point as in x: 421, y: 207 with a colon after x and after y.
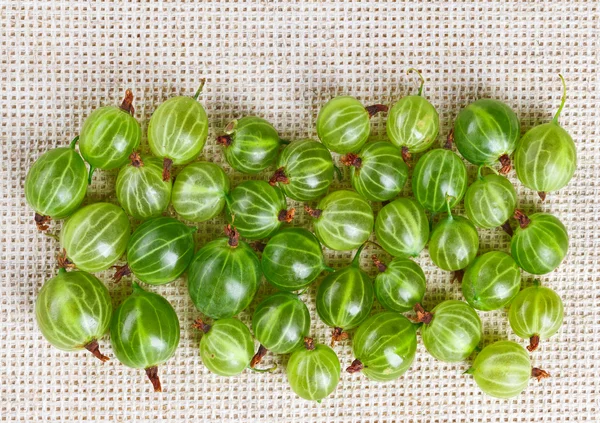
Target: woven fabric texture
x: 283, y: 60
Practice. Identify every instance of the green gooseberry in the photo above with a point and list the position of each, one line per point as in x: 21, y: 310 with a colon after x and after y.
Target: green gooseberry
x: 200, y: 191
x: 402, y: 228
x: 257, y: 209
x: 159, y: 251
x: 399, y: 285
x: 384, y: 346
x: 140, y: 187
x: 144, y: 332
x: 454, y: 242
x: 280, y: 323
x: 536, y: 314
x: 378, y: 171
x: 345, y: 298
x: 503, y: 369
x: 540, y: 243
x: 487, y: 131
x: 343, y: 124
x: 490, y: 201
x: 343, y: 220
x: 546, y: 157
x: 292, y: 259
x: 96, y: 236
x: 177, y: 131
x: 313, y: 371
x: 251, y: 144
x: 56, y: 184
x: 413, y: 123
x: 439, y: 174
x: 226, y: 347
x: 73, y: 311
x: 109, y: 135
x: 304, y: 170
x: 224, y: 276
x: 451, y: 331
x: 491, y: 281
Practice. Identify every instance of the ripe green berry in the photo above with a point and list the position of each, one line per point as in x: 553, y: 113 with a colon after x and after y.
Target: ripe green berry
x: 402, y: 228
x: 257, y: 209
x: 314, y: 371
x: 109, y: 135
x: 224, y: 276
x: 439, y: 174
x: 144, y: 332
x: 400, y: 284
x: 378, y: 171
x: 140, y: 187
x: 73, y: 311
x: 343, y: 220
x: 96, y: 236
x: 343, y: 124
x: 491, y: 281
x: 292, y: 259
x: 451, y: 331
x: 304, y: 170
x: 413, y: 123
x: 546, y: 157
x: 200, y: 191
x: 487, y: 131
x: 536, y: 314
x: 540, y: 243
x: 384, y: 346
x: 56, y: 184
x: 503, y: 369
x: 251, y: 144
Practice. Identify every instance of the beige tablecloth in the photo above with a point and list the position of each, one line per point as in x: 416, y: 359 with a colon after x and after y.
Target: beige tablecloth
x: 282, y: 61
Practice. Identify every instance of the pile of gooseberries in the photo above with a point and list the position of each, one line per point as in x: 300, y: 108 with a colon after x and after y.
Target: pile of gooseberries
x: 262, y: 243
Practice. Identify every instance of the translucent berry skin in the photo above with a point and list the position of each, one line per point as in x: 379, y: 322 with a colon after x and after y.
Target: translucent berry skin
x: 292, y: 259
x: 160, y: 250
x: 253, y: 145
x: 255, y: 208
x: 141, y: 191
x: 281, y: 322
x: 490, y: 201
x: 345, y: 222
x: 454, y: 331
x: 200, y: 191
x: 438, y: 176
x: 536, y: 311
x: 381, y: 173
x: 541, y: 246
x: 108, y: 137
x: 343, y: 125
x: 222, y: 280
x: 385, y: 344
x: 73, y: 309
x: 56, y: 183
x: 96, y: 236
x: 491, y: 281
x: 401, y: 285
x: 402, y: 228
x: 485, y: 130
x: 413, y: 123
x: 502, y: 369
x: 308, y: 167
x: 227, y: 348
x: 178, y: 130
x: 313, y: 374
x: 454, y: 243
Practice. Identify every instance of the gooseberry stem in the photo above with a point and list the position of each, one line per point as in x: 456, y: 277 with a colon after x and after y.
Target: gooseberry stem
x: 507, y: 228
x: 422, y: 315
x: 539, y: 374
x: 136, y: 159
x: 90, y: 174
x: 562, y: 100
x: 378, y: 263
x: 286, y: 215
x: 506, y: 164
x: 542, y: 195
x: 152, y: 373
x: 448, y: 208
x: 201, y: 325
x: 72, y: 145
x: 479, y: 172
x: 262, y: 351
x: 449, y: 140
x: 127, y: 103
x: 284, y: 142
x: 94, y: 348
x: 376, y: 108
x: 199, y: 90
x: 329, y: 269
x: 534, y: 342
x: 356, y: 366
x: 356, y: 259
x: 314, y: 213
x: 63, y: 262
x: 279, y: 176
x: 338, y: 173
x: 469, y: 371
x: 121, y: 272
x: 352, y: 159
x: 406, y: 155
x: 523, y: 220
x: 536, y: 282
x: 338, y: 335
x: 409, y: 70
x: 233, y: 235
x: 459, y: 275
x: 269, y: 370
x: 41, y: 222
x: 224, y: 140
x: 167, y: 164
x: 309, y: 344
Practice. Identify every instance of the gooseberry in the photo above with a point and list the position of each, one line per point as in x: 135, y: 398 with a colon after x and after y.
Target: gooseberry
x: 400, y: 284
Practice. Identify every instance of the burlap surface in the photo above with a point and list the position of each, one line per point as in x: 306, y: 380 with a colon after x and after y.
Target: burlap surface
x: 282, y: 61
